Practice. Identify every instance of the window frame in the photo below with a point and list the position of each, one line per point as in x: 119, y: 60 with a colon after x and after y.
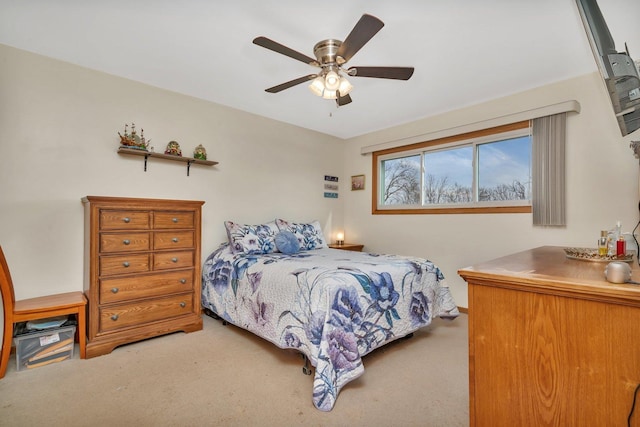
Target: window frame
x: 482, y: 136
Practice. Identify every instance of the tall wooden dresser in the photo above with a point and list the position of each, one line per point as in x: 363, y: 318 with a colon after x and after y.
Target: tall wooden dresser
x: 551, y: 342
x: 142, y: 269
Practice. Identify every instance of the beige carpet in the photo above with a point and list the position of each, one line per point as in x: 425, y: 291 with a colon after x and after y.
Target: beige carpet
x: 225, y: 376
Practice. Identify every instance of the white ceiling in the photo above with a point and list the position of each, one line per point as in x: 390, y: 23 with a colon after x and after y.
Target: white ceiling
x: 464, y: 51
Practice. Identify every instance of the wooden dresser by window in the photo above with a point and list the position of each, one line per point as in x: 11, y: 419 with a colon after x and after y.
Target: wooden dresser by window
x: 142, y: 269
x: 551, y: 342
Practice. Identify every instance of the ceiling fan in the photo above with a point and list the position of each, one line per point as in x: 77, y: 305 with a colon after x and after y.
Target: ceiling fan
x: 331, y: 56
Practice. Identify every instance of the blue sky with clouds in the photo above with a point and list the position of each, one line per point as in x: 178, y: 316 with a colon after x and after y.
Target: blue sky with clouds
x: 501, y: 162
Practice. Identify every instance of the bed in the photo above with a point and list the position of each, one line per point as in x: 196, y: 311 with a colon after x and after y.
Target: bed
x: 331, y: 305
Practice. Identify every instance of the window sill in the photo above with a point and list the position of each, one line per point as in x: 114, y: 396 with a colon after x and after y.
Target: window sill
x: 460, y: 210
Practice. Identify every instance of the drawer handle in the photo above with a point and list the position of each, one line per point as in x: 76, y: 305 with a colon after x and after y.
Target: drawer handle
x: 175, y: 220
x: 114, y: 290
x: 125, y: 264
x: 183, y: 305
x: 183, y: 281
x: 174, y: 240
x: 114, y: 317
x: 126, y: 241
x: 126, y: 219
x: 174, y: 259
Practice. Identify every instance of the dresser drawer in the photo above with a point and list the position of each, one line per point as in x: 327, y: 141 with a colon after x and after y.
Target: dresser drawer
x: 173, y: 220
x: 173, y: 240
x: 171, y: 260
x: 124, y: 264
x: 124, y: 242
x: 137, y: 314
x: 143, y: 286
x: 124, y: 220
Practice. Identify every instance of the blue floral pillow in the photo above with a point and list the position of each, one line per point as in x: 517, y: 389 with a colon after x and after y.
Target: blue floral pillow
x: 309, y: 235
x: 252, y: 239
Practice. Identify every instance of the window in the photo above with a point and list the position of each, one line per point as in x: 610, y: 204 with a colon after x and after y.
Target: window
x: 484, y: 171
x: 401, y: 177
x: 504, y: 170
x: 448, y: 176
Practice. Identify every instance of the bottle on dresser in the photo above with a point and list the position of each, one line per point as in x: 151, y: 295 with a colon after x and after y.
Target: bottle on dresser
x: 602, y: 243
x: 616, y: 243
x: 621, y: 244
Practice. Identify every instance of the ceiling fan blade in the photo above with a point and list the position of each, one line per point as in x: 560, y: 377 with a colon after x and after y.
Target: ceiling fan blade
x: 279, y: 48
x: 343, y: 100
x: 398, y: 73
x: 291, y: 83
x: 365, y: 29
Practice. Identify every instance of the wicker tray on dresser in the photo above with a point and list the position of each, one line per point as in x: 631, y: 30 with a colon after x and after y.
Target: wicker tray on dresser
x: 142, y: 269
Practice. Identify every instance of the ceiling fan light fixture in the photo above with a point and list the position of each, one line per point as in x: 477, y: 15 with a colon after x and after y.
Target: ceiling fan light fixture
x: 345, y: 87
x: 331, y: 55
x: 332, y: 80
x: 330, y: 94
x: 317, y: 86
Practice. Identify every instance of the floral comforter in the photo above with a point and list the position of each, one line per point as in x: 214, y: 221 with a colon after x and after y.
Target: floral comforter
x: 332, y: 305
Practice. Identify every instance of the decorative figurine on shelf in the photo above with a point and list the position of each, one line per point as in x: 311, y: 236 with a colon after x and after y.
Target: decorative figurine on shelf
x: 132, y: 140
x: 200, y: 153
x: 173, y: 148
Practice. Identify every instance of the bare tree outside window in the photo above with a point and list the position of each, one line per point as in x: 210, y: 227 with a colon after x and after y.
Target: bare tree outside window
x: 514, y: 191
x: 402, y: 181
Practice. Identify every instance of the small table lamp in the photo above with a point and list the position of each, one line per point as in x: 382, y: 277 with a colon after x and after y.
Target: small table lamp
x: 340, y: 238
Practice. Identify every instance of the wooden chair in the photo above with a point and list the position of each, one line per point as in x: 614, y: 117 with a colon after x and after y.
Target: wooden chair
x: 36, y: 308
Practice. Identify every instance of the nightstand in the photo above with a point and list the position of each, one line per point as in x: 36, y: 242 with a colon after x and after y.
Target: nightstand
x: 347, y: 246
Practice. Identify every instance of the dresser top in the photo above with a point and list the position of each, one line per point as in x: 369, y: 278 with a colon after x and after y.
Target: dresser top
x: 547, y: 270
x: 137, y: 201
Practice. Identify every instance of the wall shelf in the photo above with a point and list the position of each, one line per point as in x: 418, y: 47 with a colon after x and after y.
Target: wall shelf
x: 146, y: 154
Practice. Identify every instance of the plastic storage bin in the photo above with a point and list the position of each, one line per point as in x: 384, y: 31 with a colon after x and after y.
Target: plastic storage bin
x: 45, y: 347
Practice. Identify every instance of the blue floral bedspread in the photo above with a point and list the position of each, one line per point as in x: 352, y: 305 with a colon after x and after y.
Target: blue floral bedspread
x: 332, y: 305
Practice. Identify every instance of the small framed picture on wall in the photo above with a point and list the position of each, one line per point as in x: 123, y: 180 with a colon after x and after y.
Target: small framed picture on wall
x: 357, y: 182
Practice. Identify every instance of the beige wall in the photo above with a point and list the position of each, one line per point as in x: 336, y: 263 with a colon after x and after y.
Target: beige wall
x: 58, y: 139
x: 59, y: 127
x: 602, y: 181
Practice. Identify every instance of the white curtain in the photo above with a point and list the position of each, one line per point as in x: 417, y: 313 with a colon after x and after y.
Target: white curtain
x: 548, y: 174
